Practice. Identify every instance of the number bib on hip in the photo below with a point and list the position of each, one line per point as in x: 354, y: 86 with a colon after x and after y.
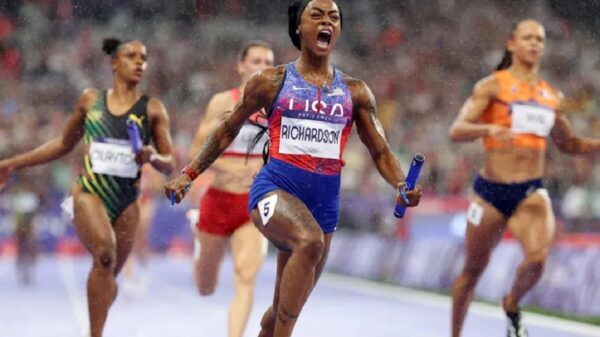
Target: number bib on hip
x: 113, y: 159
x: 532, y: 119
x: 312, y: 134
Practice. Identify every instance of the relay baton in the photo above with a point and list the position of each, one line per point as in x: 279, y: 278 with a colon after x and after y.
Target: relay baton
x: 411, y: 182
x: 134, y: 136
x: 172, y: 194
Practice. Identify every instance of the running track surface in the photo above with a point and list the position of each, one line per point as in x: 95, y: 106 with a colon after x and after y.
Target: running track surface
x: 56, y: 306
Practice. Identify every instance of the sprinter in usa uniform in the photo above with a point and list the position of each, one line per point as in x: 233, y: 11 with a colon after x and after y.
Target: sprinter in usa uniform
x: 294, y: 200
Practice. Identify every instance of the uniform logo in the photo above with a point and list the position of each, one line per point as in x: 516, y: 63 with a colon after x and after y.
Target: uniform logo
x: 547, y: 94
x: 336, y: 92
x: 136, y: 119
x: 336, y: 109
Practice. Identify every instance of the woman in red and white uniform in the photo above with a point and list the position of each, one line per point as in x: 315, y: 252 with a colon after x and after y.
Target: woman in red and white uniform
x: 223, y: 208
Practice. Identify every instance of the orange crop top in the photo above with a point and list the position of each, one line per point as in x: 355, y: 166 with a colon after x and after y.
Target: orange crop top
x: 529, y: 111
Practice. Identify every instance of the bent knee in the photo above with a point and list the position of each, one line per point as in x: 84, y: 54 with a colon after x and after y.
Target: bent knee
x: 246, y: 275
x: 312, y: 247
x: 268, y: 320
x: 537, y: 256
x: 472, y: 274
x: 536, y: 265
x: 206, y: 290
x: 206, y: 287
x: 105, y: 257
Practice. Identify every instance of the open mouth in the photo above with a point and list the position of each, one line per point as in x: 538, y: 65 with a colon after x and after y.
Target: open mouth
x: 324, y: 38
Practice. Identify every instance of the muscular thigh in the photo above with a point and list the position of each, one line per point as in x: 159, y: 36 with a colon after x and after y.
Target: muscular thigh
x: 284, y: 220
x: 485, y: 226
x: 533, y: 224
x: 91, y: 220
x: 212, y: 250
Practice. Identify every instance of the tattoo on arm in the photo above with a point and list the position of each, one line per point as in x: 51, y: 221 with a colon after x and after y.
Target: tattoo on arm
x: 209, y: 152
x: 257, y: 88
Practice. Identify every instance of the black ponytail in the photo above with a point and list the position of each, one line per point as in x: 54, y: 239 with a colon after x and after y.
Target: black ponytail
x: 264, y: 130
x: 111, y: 45
x: 506, y: 60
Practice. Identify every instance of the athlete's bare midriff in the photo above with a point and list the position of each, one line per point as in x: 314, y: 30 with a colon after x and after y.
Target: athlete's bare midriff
x: 513, y: 165
x: 234, y: 174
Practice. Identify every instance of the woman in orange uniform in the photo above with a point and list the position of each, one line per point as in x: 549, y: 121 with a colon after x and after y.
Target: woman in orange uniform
x: 513, y: 110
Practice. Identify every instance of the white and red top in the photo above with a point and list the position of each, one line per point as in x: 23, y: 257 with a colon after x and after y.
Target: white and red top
x: 239, y: 146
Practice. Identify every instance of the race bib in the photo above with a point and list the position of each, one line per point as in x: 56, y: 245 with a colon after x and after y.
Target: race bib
x: 243, y: 139
x: 312, y: 134
x: 114, y: 159
x: 532, y: 119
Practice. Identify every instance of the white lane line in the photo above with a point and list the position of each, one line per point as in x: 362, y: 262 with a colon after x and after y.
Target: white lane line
x: 441, y: 301
x: 76, y: 298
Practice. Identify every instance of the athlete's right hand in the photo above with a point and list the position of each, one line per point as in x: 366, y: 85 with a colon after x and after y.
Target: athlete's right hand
x: 5, y: 172
x: 500, y: 132
x: 412, y: 196
x: 178, y: 188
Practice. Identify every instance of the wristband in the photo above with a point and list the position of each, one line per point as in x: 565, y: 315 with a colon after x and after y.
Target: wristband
x: 190, y: 172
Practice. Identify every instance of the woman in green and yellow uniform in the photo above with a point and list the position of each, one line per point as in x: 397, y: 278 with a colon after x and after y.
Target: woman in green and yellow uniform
x: 106, y: 212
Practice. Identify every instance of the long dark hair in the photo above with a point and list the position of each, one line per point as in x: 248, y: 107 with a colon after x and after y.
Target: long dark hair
x: 507, y: 58
x: 254, y: 142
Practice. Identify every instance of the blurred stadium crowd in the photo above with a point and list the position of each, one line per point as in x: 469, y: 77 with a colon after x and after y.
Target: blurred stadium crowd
x: 421, y: 58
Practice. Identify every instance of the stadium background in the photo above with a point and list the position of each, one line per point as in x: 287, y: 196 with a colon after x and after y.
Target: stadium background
x: 421, y: 58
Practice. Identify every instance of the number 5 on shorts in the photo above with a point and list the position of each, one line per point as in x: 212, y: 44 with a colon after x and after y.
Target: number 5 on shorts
x: 266, y: 208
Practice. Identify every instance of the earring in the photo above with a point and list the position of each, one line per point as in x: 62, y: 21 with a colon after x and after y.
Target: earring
x: 297, y: 31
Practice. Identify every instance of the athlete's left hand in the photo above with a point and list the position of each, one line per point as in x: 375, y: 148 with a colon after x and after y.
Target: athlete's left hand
x: 178, y: 188
x: 413, y: 196
x: 145, y: 155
